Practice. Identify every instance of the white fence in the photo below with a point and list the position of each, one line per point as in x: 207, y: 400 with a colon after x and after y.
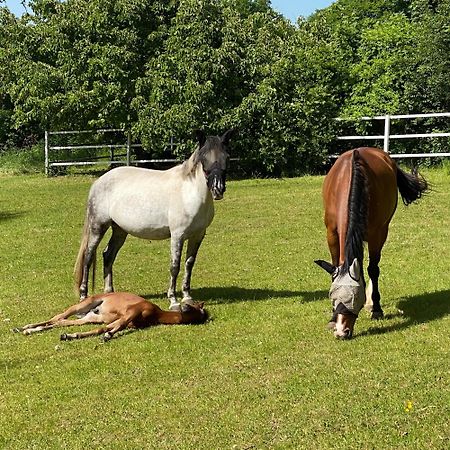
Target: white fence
x: 387, y: 136
x: 114, y: 159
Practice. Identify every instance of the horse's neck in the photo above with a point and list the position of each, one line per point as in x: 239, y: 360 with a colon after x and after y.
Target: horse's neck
x: 193, y: 172
x: 190, y: 165
x: 174, y: 318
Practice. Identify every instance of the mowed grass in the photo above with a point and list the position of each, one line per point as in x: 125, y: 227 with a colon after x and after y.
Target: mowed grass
x: 263, y: 373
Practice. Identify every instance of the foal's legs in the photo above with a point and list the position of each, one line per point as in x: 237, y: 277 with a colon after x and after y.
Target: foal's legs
x: 108, y: 330
x: 96, y: 233
x: 83, y: 307
x: 176, y: 248
x: 191, y: 254
x: 109, y: 255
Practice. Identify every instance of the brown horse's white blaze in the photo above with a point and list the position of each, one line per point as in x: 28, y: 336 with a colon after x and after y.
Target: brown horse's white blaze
x: 175, y: 204
x: 360, y: 195
x: 117, y: 311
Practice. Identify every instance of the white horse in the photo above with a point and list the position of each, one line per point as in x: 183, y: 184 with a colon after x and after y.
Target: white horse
x: 155, y: 204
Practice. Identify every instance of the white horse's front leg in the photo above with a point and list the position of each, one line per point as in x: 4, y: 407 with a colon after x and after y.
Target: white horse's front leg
x: 176, y: 248
x: 191, y: 255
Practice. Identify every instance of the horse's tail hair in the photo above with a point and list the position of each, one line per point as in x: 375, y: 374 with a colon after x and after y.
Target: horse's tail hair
x: 79, y: 263
x: 357, y: 212
x: 411, y: 186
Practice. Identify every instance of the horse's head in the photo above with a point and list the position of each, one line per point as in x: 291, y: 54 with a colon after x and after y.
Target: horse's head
x: 213, y: 156
x: 194, y: 312
x: 347, y: 294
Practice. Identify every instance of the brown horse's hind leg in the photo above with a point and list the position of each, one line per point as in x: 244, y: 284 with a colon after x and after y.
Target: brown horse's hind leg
x: 108, y: 330
x: 372, y: 292
x: 79, y: 308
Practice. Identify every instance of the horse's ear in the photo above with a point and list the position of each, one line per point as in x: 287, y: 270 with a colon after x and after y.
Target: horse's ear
x: 326, y: 266
x: 355, y: 270
x: 200, y: 135
x: 226, y: 137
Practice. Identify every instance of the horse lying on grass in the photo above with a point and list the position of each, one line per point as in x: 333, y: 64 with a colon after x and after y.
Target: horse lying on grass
x: 117, y: 310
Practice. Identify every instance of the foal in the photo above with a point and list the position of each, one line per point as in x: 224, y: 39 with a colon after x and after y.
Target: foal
x: 117, y: 310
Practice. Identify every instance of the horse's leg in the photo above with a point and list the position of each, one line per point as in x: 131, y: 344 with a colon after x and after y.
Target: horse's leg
x: 191, y: 254
x: 79, y: 308
x: 96, y: 233
x: 108, y: 330
x: 109, y: 255
x: 176, y: 248
x: 88, y: 318
x: 333, y: 245
x: 372, y: 292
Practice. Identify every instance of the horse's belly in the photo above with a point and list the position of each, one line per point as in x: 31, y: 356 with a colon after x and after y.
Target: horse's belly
x: 154, y: 233
x: 149, y: 231
x: 142, y: 224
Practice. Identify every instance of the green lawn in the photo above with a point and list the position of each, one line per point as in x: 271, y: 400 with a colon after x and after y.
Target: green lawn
x: 264, y: 373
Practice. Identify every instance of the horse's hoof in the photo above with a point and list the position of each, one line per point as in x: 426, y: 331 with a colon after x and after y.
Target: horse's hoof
x: 175, y: 307
x: 63, y: 337
x: 107, y: 336
x: 377, y: 315
x: 16, y: 330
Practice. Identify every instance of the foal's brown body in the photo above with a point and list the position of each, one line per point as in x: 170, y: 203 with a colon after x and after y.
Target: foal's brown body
x: 116, y: 311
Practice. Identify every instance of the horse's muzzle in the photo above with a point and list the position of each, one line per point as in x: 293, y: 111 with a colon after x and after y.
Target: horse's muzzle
x: 344, y: 326
x: 216, y: 184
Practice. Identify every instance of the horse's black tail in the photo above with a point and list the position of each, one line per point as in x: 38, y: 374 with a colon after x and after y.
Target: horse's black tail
x: 357, y: 213
x: 411, y: 186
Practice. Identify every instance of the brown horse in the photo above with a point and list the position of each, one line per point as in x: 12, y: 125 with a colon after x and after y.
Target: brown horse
x: 360, y: 198
x: 118, y: 310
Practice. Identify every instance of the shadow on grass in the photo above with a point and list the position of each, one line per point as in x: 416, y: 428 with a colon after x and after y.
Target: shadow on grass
x: 415, y: 310
x: 9, y: 215
x: 234, y: 294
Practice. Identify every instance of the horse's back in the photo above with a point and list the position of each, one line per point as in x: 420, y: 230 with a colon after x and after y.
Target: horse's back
x: 136, y: 199
x: 380, y: 173
x: 152, y: 204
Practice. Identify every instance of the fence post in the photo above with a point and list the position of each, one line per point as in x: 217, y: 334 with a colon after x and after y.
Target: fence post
x: 46, y: 153
x: 387, y: 132
x: 128, y: 146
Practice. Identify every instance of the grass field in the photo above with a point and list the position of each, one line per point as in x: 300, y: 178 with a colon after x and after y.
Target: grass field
x: 264, y: 373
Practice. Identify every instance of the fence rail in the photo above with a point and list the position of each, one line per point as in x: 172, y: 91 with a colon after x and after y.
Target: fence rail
x: 126, y: 145
x: 387, y: 136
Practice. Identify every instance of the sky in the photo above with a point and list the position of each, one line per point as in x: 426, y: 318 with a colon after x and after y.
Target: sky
x: 289, y: 8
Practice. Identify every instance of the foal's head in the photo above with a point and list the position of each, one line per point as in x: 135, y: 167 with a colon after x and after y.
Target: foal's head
x: 347, y: 294
x: 194, y: 313
x: 213, y: 156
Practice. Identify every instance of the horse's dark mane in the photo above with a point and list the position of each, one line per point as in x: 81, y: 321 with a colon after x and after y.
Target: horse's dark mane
x: 199, y: 153
x: 357, y: 213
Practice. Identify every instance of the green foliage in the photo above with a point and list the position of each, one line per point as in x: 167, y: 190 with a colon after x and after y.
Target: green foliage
x: 164, y: 68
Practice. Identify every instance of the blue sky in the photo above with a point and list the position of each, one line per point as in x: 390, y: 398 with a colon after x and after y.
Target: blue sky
x: 289, y: 8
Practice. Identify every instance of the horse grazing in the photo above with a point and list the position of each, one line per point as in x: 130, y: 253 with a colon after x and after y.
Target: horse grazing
x: 360, y: 198
x: 118, y: 310
x: 155, y: 204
